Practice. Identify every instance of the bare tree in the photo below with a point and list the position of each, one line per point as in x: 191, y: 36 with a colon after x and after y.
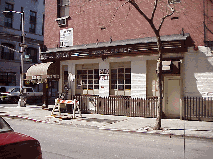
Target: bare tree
x: 159, y: 44
x: 156, y: 27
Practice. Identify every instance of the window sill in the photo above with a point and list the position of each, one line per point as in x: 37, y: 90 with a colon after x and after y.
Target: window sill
x: 61, y: 18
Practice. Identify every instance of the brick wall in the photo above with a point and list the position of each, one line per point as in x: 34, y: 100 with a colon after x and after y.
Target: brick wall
x: 100, y: 20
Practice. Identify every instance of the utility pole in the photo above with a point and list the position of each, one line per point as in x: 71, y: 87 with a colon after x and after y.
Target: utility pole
x: 21, y: 102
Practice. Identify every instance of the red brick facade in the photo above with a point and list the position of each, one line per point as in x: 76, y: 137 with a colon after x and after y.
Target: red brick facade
x: 94, y: 20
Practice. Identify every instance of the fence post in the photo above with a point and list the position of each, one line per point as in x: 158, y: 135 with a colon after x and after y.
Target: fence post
x: 144, y: 107
x: 199, y: 109
x: 202, y: 108
x: 196, y: 108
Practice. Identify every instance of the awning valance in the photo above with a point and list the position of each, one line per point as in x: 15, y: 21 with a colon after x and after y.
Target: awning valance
x: 43, y: 71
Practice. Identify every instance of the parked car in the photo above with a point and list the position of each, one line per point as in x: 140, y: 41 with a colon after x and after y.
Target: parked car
x: 15, y: 145
x: 28, y: 92
x: 4, y: 90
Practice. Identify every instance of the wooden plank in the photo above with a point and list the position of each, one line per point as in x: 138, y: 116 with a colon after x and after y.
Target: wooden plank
x: 196, y: 107
x: 199, y: 108
x: 144, y: 106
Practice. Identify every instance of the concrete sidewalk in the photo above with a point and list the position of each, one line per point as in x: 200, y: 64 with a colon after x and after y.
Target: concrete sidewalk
x: 175, y: 127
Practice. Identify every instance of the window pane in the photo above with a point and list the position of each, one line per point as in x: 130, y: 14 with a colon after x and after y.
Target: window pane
x: 120, y: 87
x: 121, y: 70
x: 90, y: 87
x: 120, y: 76
x: 127, y: 86
x: 84, y: 86
x: 66, y: 12
x: 84, y: 76
x: 127, y: 76
x: 90, y: 76
x: 120, y: 81
x: 114, y: 76
x: 90, y: 71
x: 113, y: 70
x: 79, y: 71
x: 84, y: 81
x: 113, y: 86
x: 127, y: 70
x: 84, y: 71
x: 96, y: 71
x: 96, y: 76
x: 90, y: 81
x: 96, y: 81
x: 127, y: 81
x: 96, y: 86
x: 114, y: 82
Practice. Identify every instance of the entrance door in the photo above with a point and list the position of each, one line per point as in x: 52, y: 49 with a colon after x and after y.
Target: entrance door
x: 172, y: 97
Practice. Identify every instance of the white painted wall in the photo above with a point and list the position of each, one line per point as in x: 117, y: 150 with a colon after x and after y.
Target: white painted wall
x: 138, y: 73
x: 104, y: 84
x: 138, y: 79
x: 198, y: 72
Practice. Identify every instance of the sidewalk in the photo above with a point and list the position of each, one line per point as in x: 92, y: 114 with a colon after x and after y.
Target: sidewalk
x: 171, y: 127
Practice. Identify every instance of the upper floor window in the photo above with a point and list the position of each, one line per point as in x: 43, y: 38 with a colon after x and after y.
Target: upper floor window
x: 7, y: 78
x: 43, y: 24
x: 31, y: 55
x: 32, y: 28
x: 62, y: 8
x: 8, y: 16
x: 7, y: 53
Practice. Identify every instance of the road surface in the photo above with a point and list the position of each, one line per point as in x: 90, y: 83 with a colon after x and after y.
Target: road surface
x: 69, y: 142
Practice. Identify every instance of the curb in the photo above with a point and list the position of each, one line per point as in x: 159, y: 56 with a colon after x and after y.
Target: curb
x: 141, y: 131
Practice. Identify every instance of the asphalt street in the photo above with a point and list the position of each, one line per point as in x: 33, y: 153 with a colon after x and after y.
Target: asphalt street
x: 67, y: 142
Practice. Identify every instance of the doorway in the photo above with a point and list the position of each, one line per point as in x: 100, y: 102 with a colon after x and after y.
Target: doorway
x: 172, y: 96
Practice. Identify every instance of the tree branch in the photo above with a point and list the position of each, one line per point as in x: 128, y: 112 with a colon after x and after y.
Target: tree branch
x: 168, y: 15
x: 155, y: 7
x: 138, y: 9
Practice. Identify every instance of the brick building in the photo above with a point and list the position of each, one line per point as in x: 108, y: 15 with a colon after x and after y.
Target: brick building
x: 107, y: 48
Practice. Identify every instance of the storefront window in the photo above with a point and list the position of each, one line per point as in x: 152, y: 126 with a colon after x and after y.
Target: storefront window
x: 121, y: 78
x: 89, y: 79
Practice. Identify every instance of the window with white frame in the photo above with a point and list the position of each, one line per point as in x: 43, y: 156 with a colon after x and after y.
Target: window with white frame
x: 32, y: 28
x: 8, y: 16
x: 6, y: 52
x: 120, y: 79
x: 88, y: 79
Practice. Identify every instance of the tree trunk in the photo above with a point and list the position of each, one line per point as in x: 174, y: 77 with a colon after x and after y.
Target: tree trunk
x: 159, y: 75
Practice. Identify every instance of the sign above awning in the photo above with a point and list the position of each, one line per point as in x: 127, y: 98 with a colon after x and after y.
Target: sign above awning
x: 43, y: 71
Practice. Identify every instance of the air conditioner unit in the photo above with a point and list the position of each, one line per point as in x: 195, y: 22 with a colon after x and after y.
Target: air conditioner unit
x: 61, y: 22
